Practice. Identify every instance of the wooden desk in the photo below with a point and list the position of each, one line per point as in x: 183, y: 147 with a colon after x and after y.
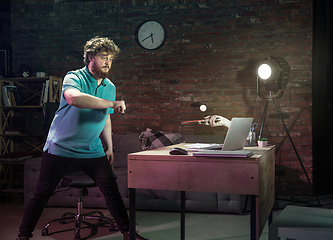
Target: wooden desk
x: 156, y: 169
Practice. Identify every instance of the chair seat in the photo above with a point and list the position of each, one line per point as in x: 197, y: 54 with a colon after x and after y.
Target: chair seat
x: 77, y: 180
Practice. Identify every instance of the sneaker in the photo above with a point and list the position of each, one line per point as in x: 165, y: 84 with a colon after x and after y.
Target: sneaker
x: 23, y: 238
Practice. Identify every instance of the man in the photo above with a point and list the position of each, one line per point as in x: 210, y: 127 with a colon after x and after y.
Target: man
x: 80, y: 136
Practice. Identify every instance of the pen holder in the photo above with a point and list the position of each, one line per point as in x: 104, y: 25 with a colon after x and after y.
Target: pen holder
x: 251, y: 139
x: 262, y: 143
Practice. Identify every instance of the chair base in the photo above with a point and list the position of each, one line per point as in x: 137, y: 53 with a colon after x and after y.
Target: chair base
x: 70, y: 217
x: 306, y: 223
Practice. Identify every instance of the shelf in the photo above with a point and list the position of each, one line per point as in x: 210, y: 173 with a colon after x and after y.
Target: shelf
x: 23, y: 79
x: 18, y: 107
x: 19, y: 135
x: 33, y: 90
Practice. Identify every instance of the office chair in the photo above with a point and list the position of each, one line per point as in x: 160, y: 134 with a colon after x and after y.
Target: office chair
x: 75, y: 179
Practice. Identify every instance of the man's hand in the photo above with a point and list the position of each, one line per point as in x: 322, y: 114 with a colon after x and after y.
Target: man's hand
x: 120, y: 106
x: 216, y: 121
x: 109, y: 155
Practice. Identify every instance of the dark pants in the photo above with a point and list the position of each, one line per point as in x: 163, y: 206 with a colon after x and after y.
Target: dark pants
x: 54, y: 168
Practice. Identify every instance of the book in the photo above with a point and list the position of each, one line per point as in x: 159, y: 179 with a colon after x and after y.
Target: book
x: 41, y: 101
x: 204, y: 146
x: 13, y: 95
x: 5, y: 97
x: 46, y: 91
x: 222, y: 153
x: 11, y: 131
x: 12, y: 98
x: 54, y: 93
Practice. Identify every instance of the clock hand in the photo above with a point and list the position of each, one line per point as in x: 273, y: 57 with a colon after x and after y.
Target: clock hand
x: 152, y: 40
x: 151, y: 35
x: 145, y: 38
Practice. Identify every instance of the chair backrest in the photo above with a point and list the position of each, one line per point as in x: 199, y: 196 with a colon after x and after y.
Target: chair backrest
x: 49, y: 109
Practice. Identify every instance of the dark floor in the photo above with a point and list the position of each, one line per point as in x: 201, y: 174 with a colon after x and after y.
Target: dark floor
x: 153, y: 225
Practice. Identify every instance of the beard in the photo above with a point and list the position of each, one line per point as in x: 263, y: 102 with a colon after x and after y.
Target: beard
x: 101, y: 72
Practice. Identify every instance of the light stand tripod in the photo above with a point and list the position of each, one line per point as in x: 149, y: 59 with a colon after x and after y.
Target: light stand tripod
x: 268, y: 100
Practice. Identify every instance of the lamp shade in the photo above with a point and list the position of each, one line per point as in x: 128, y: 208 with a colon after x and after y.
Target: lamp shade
x: 273, y: 72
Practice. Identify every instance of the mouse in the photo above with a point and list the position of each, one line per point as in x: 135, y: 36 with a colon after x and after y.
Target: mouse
x: 178, y: 151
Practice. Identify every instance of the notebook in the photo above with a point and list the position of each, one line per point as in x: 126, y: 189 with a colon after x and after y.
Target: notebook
x: 236, y: 135
x: 223, y: 153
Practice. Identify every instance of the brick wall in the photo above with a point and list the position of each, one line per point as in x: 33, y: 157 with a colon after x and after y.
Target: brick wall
x: 210, y: 55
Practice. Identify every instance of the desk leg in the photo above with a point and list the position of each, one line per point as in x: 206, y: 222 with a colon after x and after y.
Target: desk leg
x: 182, y: 215
x: 132, y: 216
x: 253, y: 216
x: 270, y: 218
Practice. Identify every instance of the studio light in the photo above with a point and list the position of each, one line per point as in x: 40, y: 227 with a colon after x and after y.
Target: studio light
x: 273, y: 74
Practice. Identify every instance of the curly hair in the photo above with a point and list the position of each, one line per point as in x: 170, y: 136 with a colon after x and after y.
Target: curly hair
x: 97, y: 45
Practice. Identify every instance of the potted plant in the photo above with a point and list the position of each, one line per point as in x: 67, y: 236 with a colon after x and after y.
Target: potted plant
x: 40, y: 71
x: 262, y: 142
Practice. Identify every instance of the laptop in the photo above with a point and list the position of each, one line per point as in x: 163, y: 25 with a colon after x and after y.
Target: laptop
x: 235, y: 138
x: 237, y: 134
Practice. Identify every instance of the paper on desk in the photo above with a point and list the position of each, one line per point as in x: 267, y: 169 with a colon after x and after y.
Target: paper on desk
x: 204, y: 146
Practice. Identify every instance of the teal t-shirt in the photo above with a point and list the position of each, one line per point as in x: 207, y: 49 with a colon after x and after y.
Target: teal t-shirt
x: 75, y: 132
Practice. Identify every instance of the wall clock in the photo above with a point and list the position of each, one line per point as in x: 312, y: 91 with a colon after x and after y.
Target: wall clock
x: 150, y: 35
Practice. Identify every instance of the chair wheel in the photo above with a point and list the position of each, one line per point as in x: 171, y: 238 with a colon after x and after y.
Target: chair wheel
x: 45, y: 232
x: 77, y: 236
x: 112, y: 227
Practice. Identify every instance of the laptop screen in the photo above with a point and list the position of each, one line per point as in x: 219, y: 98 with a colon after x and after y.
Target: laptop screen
x: 237, y: 134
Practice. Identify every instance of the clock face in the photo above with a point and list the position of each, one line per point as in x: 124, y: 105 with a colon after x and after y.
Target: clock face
x: 150, y: 35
